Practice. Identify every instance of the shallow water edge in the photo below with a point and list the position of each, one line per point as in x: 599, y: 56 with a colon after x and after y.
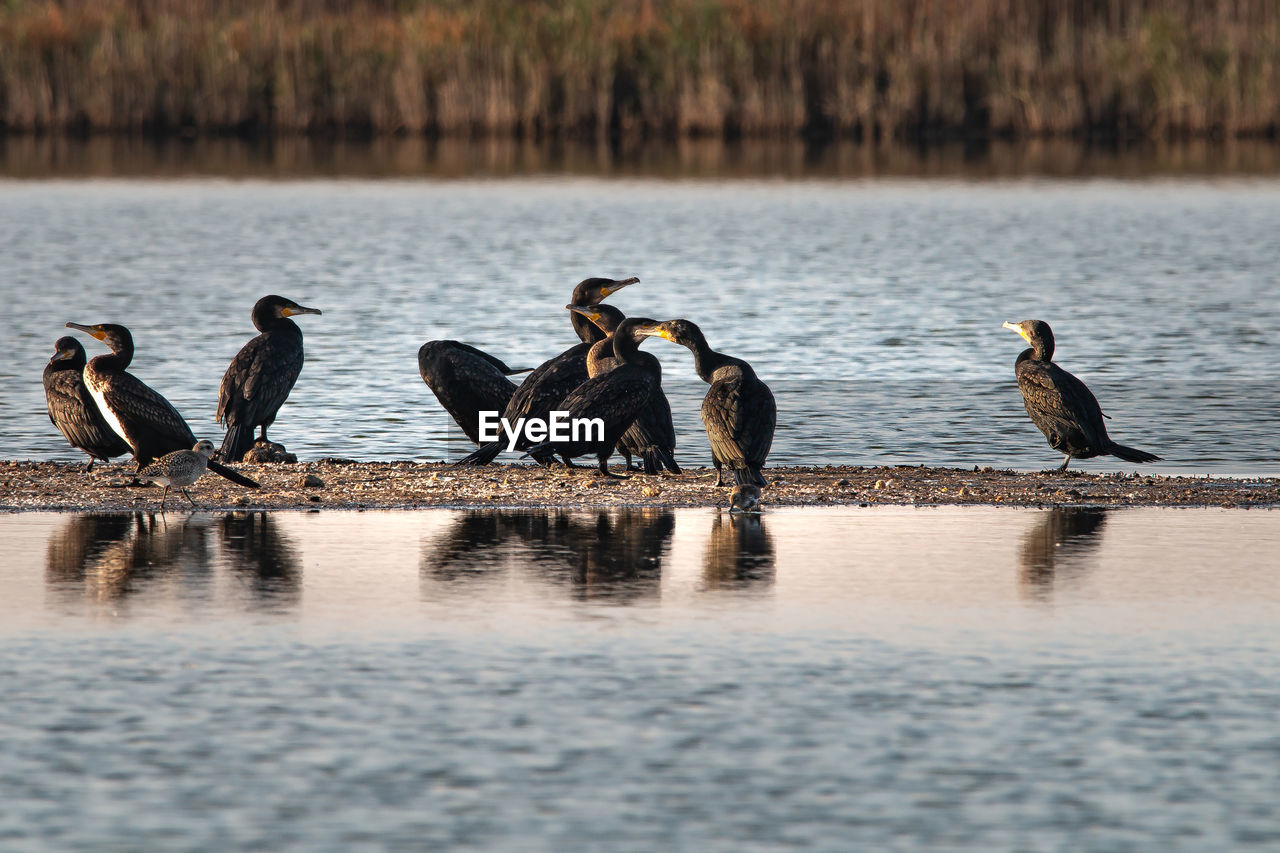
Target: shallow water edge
x: 348, y: 484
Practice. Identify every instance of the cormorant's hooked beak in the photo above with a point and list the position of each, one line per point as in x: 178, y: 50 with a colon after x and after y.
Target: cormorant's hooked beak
x: 1017, y: 328
x: 610, y: 289
x: 92, y: 330
x: 658, y: 331
x: 588, y: 311
x: 291, y: 310
x: 63, y: 355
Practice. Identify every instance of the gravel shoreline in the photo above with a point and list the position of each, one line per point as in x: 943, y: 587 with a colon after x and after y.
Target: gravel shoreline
x: 347, y: 484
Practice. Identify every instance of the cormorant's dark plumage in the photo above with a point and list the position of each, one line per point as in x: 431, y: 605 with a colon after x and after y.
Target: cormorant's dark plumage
x: 552, y: 380
x: 1060, y: 405
x: 134, y: 410
x: 616, y: 397
x: 652, y: 438
x: 261, y: 375
x: 738, y: 412
x: 71, y: 407
x: 466, y: 381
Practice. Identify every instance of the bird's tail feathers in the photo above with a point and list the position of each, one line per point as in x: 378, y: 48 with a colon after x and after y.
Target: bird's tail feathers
x: 238, y: 479
x: 655, y: 458
x: 483, y: 455
x: 1129, y: 454
x: 236, y: 444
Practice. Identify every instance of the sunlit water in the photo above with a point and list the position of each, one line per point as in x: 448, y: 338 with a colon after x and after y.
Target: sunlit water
x: 873, y: 308
x: 890, y: 678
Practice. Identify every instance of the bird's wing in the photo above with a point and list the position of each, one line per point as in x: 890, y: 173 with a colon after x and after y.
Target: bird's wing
x: 740, y: 416
x: 547, y: 386
x: 615, y: 397
x: 75, y: 414
x: 1061, y: 402
x: 147, y: 417
x: 259, y: 379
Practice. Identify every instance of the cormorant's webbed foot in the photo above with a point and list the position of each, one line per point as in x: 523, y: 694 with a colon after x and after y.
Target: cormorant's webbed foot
x: 604, y: 470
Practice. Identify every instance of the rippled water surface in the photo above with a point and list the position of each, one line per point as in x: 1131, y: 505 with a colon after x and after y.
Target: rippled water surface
x: 872, y: 307
x: 890, y: 678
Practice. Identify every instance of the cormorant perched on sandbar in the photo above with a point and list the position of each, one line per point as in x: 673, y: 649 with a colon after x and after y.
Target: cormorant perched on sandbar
x: 136, y: 411
x: 615, y: 397
x: 71, y: 407
x: 738, y: 412
x: 180, y: 468
x: 261, y: 375
x: 652, y: 438
x: 1060, y: 405
x: 553, y: 380
x: 466, y: 381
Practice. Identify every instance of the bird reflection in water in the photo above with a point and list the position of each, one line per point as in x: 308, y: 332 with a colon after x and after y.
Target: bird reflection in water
x: 262, y: 556
x: 1057, y: 547
x: 109, y: 556
x: 613, y: 556
x: 739, y: 554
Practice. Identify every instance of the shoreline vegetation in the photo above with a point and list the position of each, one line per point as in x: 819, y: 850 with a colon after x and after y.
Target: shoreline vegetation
x: 917, y: 71
x: 37, y: 156
x: 351, y: 485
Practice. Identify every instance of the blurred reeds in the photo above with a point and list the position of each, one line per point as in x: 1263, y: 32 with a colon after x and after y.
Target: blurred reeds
x: 867, y: 69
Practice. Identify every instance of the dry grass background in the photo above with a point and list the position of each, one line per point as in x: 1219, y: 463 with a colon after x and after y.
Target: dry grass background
x: 868, y: 69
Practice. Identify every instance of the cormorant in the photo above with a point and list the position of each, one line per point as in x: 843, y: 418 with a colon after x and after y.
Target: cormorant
x: 616, y: 397
x: 466, y: 381
x: 137, y: 412
x: 260, y: 377
x: 1060, y: 405
x: 71, y: 408
x: 738, y: 412
x: 652, y: 438
x: 553, y: 380
x: 180, y: 468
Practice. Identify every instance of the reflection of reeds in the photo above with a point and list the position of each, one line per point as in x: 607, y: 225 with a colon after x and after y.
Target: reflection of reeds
x: 868, y: 68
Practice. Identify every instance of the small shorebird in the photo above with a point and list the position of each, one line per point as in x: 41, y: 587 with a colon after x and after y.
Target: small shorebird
x: 180, y: 468
x: 745, y: 498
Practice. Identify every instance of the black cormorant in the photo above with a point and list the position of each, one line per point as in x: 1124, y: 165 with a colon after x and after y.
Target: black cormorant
x: 137, y: 412
x: 652, y: 438
x: 1060, y: 405
x: 615, y: 398
x: 261, y: 375
x: 738, y: 412
x: 552, y: 380
x: 466, y: 381
x: 71, y: 408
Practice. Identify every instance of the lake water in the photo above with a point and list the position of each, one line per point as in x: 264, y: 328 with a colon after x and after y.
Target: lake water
x: 886, y: 678
x: 872, y: 307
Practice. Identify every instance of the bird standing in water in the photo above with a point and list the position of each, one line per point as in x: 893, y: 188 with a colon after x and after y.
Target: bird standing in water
x: 261, y: 375
x: 550, y: 382
x: 181, y: 468
x: 137, y: 412
x: 71, y: 407
x: 1060, y: 405
x: 738, y: 412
